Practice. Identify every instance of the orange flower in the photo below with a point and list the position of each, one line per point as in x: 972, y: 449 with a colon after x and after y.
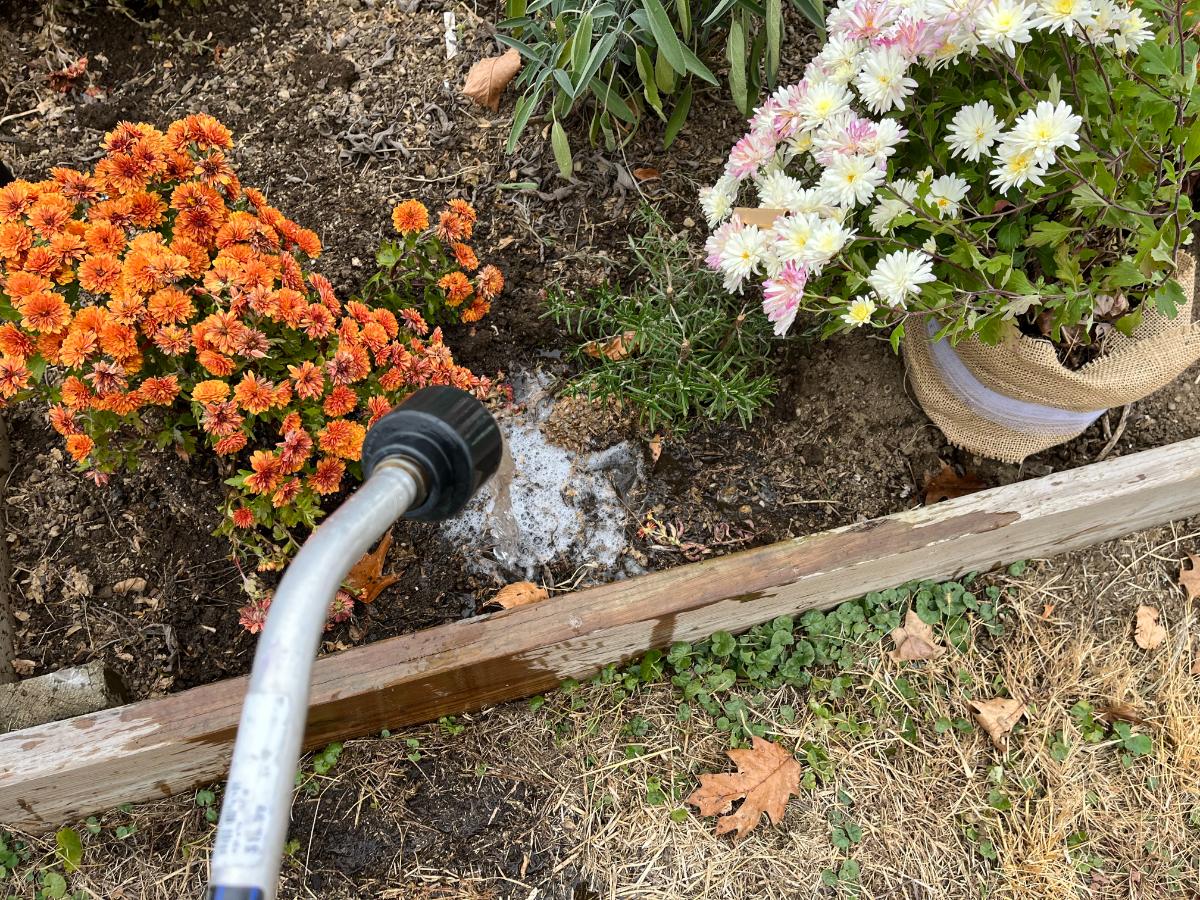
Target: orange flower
x: 160, y: 390
x: 286, y: 493
x: 379, y: 407
x: 107, y: 378
x: 414, y: 322
x: 325, y: 292
x: 476, y: 311
x: 50, y: 214
x: 200, y: 129
x: 464, y: 210
x: 15, y: 342
x: 14, y: 377
x: 291, y: 422
x: 348, y: 365
x: 253, y: 395
x: 308, y: 242
x: 16, y: 200
x: 341, y: 400
x: 119, y: 340
x: 75, y: 394
x: 453, y: 227
x: 78, y: 347
x: 62, y: 420
x: 68, y: 247
x: 309, y: 380
x: 243, y: 517
x: 146, y: 209
x: 267, y: 472
x: 410, y: 217
x: 20, y: 285
x: 316, y: 321
x: 80, y: 446
x: 99, y: 274
x: 489, y: 282
x: 221, y: 366
x: 221, y: 418
x: 44, y: 312
x: 15, y: 240
x: 74, y: 185
x: 294, y: 449
x: 457, y: 287
x: 170, y: 305
x: 327, y: 477
x: 104, y: 237
x: 231, y: 443
x: 386, y: 319
x: 465, y: 256
x: 210, y: 391
x: 172, y: 340
x: 342, y: 438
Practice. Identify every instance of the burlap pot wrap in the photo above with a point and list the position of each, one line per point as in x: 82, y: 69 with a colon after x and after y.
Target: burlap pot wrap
x: 1014, y: 399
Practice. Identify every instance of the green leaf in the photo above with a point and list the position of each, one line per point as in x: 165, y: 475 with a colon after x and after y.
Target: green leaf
x: 520, y: 118
x: 664, y: 34
x: 1191, y: 147
x: 1047, y: 234
x: 697, y: 68
x: 581, y: 44
x: 599, y: 54
x: 735, y: 52
x: 1168, y: 298
x: 515, y: 8
x: 683, y: 9
x: 678, y: 116
x: 54, y: 885
x: 69, y: 848
x: 774, y: 38
x: 1122, y: 274
x: 562, y: 149
x: 664, y: 74
x: 612, y: 101
x: 649, y: 87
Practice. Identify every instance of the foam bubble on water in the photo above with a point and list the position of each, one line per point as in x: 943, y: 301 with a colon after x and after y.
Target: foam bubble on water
x: 558, y: 505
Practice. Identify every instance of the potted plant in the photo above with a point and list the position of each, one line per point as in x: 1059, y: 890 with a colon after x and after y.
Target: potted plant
x: 1003, y: 186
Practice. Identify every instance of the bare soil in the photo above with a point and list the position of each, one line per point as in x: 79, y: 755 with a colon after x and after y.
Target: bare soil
x: 341, y: 109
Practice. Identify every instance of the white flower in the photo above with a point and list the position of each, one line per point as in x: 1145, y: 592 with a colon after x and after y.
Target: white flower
x: 745, y: 251
x: 973, y: 131
x: 891, y: 208
x: 1003, y: 24
x: 1015, y: 167
x: 777, y: 190
x: 809, y: 200
x: 827, y: 241
x: 859, y: 311
x: 1132, y: 31
x: 946, y: 193
x: 888, y: 133
x: 851, y: 180
x: 1069, y: 16
x: 792, y: 235
x: 717, y: 201
x: 839, y: 58
x: 900, y: 274
x: 823, y: 100
x: 1045, y: 128
x: 1107, y: 18
x: 882, y: 81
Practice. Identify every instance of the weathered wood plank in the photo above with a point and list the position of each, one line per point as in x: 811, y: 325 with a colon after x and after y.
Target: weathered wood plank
x: 55, y: 772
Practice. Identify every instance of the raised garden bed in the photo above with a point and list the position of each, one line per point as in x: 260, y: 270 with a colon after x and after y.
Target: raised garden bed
x: 156, y: 748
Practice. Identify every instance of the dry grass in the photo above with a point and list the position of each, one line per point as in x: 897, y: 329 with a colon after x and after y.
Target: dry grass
x: 1066, y: 818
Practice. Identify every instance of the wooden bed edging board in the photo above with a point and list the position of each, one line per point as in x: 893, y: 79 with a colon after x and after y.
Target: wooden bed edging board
x: 64, y: 770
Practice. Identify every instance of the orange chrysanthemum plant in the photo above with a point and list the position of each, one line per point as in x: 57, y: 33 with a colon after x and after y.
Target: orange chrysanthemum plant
x: 156, y: 300
x: 433, y: 266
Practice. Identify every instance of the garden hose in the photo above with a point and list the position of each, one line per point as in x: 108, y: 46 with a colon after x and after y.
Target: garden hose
x: 424, y: 460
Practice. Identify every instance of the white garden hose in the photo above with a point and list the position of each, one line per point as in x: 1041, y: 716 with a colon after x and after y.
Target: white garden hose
x: 426, y: 459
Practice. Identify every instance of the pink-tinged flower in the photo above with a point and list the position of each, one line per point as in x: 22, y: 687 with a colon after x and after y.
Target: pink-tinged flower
x: 253, y: 615
x: 913, y: 37
x: 853, y: 136
x: 763, y: 120
x: 714, y: 247
x: 867, y: 19
x: 785, y: 105
x: 749, y: 155
x: 782, y: 295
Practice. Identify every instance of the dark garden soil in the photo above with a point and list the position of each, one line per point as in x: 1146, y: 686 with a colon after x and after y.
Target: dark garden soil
x: 341, y: 108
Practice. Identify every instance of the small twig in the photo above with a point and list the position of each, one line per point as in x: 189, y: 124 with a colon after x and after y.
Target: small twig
x: 20, y: 115
x: 1120, y: 430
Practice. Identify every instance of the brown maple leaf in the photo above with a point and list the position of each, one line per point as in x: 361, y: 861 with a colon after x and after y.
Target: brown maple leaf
x: 998, y: 717
x: 615, y: 348
x: 1148, y: 632
x: 488, y: 78
x: 914, y: 640
x: 948, y: 484
x: 767, y: 776
x: 1190, y: 578
x: 519, y: 593
x: 366, y: 579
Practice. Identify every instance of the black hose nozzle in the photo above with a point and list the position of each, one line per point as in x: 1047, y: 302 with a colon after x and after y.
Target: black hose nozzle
x: 450, y: 435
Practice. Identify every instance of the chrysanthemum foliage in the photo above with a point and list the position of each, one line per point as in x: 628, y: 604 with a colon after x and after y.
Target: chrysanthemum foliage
x: 155, y: 300
x: 988, y: 163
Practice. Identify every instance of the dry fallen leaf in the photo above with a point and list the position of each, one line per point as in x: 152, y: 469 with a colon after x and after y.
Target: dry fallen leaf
x: 1190, y: 578
x: 1148, y: 633
x: 366, y: 579
x: 519, y: 593
x: 615, y: 349
x: 948, y: 484
x: 1047, y: 610
x: 23, y: 666
x: 655, y: 446
x: 998, y: 717
x: 761, y: 217
x: 1121, y: 712
x: 647, y: 173
x: 915, y: 640
x: 129, y: 586
x: 488, y: 78
x: 767, y: 776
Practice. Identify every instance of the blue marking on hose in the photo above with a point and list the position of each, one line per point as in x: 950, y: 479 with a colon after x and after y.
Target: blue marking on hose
x: 235, y: 893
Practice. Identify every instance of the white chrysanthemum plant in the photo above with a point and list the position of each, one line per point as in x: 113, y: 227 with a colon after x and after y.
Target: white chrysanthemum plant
x: 984, y: 164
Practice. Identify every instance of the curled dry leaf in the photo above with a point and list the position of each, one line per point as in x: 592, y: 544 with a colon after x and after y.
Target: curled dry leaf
x: 1148, y: 632
x: 1121, y: 712
x: 366, y: 579
x: 129, y: 586
x: 948, y: 484
x: 615, y: 349
x: 655, y: 447
x: 998, y: 717
x: 519, y: 593
x: 647, y: 173
x: 488, y: 78
x: 1190, y: 578
x: 914, y: 640
x: 767, y: 776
